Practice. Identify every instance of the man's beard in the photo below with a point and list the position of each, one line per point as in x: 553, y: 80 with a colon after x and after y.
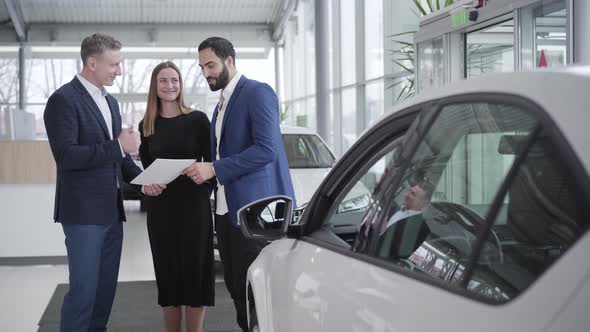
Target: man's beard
x: 220, y: 81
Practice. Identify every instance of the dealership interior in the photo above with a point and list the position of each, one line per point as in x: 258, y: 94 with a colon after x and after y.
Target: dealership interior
x: 336, y: 66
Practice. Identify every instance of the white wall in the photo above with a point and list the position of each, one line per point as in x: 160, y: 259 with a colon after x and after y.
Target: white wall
x: 26, y: 216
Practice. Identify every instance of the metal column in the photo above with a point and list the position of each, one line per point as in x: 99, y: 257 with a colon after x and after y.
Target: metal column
x: 581, y: 34
x: 22, y: 88
x: 322, y: 70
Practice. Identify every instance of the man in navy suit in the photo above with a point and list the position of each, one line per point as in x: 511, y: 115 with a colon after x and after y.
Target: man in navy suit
x: 249, y: 159
x: 91, y: 153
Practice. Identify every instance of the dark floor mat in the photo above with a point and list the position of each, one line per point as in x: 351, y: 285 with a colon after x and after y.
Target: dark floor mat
x: 136, y: 309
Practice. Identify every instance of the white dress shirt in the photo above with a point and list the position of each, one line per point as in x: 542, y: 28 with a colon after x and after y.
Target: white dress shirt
x: 221, y: 203
x: 99, y: 97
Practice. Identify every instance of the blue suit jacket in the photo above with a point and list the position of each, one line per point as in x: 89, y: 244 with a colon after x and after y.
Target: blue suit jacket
x: 253, y: 164
x: 89, y: 163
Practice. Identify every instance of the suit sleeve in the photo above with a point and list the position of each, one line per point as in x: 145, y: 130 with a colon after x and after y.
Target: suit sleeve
x: 144, y: 151
x: 264, y: 120
x: 204, y: 137
x: 61, y: 123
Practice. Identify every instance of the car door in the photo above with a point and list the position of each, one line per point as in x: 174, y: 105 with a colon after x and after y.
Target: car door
x: 494, y: 247
x: 297, y: 268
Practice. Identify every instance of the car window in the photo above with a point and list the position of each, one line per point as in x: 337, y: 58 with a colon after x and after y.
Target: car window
x: 545, y: 212
x: 347, y: 211
x: 307, y: 151
x: 428, y: 211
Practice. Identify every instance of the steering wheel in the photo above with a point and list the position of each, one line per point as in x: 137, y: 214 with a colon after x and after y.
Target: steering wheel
x: 469, y: 221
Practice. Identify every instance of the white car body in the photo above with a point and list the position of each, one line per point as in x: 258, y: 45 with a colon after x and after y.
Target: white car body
x: 298, y: 285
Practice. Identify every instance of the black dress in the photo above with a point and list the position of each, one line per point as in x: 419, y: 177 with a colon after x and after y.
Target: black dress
x: 179, y: 221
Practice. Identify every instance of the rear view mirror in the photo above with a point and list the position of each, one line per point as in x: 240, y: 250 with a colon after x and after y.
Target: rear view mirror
x: 266, y: 219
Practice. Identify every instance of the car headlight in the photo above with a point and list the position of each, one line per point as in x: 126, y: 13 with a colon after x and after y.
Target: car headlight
x: 353, y: 204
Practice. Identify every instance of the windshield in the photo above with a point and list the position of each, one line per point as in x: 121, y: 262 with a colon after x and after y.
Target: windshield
x: 307, y: 151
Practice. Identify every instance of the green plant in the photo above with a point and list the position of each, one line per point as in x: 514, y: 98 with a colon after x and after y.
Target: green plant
x: 404, y: 55
x: 283, y: 113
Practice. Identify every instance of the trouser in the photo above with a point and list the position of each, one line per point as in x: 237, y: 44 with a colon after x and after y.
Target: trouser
x: 94, y: 254
x: 236, y: 253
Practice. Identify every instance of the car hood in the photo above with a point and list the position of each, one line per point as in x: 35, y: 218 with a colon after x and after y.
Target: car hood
x: 306, y: 181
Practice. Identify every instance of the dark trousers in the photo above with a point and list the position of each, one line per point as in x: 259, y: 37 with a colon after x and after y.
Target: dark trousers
x: 236, y: 253
x: 94, y: 253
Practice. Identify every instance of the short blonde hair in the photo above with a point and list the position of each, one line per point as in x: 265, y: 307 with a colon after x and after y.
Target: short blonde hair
x: 96, y: 44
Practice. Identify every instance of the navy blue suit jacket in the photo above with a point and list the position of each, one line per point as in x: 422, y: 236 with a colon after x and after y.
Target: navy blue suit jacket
x: 253, y: 164
x: 89, y: 163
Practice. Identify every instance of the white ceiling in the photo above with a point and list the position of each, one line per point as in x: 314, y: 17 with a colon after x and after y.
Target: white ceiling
x: 148, y: 11
x: 161, y: 22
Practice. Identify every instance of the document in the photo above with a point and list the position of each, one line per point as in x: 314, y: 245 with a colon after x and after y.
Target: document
x: 162, y: 171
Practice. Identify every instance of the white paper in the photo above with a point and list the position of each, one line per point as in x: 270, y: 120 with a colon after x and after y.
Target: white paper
x: 162, y: 171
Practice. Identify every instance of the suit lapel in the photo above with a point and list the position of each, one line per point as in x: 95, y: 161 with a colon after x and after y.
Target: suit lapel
x: 91, y: 105
x: 232, y: 101
x: 213, y: 134
x: 115, y: 116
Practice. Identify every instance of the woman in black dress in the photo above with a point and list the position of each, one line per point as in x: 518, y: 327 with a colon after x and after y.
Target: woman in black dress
x: 179, y: 220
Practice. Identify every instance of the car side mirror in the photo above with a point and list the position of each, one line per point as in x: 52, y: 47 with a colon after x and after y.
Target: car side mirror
x: 267, y: 218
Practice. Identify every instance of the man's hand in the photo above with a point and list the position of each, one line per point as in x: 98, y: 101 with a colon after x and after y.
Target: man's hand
x: 129, y: 140
x: 199, y: 172
x: 154, y: 189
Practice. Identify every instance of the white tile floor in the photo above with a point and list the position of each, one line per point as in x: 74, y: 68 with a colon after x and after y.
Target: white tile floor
x: 26, y: 290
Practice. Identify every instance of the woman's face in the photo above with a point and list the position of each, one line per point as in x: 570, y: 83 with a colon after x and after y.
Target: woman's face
x: 168, y: 84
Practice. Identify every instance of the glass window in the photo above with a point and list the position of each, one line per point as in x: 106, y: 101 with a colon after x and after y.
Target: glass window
x: 550, y: 34
x: 347, y: 212
x: 544, y: 34
x: 44, y: 76
x: 431, y: 66
x: 307, y: 151
x: 309, y: 49
x: 374, y: 39
x: 348, y: 118
x: 429, y: 211
x: 374, y: 101
x: 490, y: 50
x: 348, y: 42
x: 545, y: 213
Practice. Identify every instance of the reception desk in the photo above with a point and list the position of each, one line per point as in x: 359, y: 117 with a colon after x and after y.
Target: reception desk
x: 26, y: 162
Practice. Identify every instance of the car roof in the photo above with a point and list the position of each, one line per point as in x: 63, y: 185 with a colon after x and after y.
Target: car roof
x: 297, y: 130
x: 563, y: 94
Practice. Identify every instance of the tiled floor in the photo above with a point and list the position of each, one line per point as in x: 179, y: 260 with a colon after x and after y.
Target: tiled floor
x: 26, y: 290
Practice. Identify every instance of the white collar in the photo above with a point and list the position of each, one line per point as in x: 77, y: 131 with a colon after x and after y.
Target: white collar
x: 91, y: 88
x: 230, y: 87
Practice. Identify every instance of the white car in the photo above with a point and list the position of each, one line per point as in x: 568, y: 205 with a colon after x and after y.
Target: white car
x: 500, y: 244
x: 310, y: 160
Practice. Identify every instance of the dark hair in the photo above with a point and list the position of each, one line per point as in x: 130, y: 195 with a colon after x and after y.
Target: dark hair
x: 419, y: 178
x: 220, y: 46
x: 97, y: 44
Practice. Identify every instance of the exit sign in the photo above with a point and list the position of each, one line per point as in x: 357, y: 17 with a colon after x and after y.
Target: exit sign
x: 459, y: 18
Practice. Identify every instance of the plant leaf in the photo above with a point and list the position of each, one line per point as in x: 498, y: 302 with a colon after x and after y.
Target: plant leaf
x: 419, y: 6
x: 404, y: 67
x: 429, y: 3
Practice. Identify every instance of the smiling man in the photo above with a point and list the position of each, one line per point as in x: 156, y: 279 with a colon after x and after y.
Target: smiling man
x: 249, y: 159
x: 91, y: 152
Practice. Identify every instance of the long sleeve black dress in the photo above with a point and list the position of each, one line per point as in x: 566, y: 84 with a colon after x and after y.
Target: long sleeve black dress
x: 179, y: 221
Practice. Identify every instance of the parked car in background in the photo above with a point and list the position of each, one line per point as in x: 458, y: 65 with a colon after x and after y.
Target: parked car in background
x: 310, y: 159
x: 502, y: 165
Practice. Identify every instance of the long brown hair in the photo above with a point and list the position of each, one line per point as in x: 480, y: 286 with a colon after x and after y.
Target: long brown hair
x: 153, y: 103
